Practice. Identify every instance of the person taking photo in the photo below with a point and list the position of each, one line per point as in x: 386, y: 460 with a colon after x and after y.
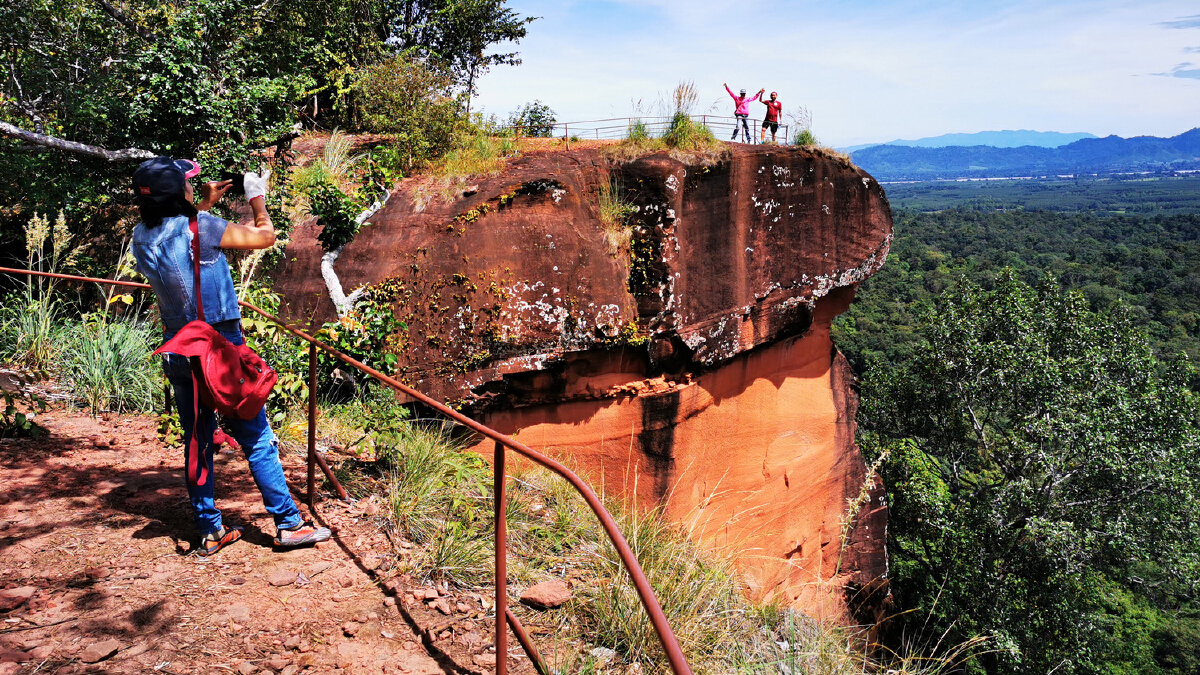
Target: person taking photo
x: 162, y: 246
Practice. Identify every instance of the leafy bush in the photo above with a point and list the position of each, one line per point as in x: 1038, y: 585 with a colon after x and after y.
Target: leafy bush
x: 413, y: 103
x: 16, y: 388
x: 338, y: 213
x: 804, y: 138
x: 284, y: 353
x: 363, y: 334
x: 107, y: 364
x: 533, y: 119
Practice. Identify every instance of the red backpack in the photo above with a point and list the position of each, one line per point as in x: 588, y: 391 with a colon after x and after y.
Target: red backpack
x: 228, y: 378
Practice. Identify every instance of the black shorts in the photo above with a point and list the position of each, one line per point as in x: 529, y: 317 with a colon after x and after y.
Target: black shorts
x: 773, y: 126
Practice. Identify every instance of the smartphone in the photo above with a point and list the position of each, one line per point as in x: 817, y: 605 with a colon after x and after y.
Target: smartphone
x: 239, y: 182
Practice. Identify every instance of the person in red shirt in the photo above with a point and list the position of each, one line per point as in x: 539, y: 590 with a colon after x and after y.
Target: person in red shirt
x: 774, y: 109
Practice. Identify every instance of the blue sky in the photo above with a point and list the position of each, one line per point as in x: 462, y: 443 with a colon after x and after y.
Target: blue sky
x: 870, y: 70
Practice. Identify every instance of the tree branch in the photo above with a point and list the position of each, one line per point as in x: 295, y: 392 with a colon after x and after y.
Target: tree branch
x: 126, y: 155
x: 124, y: 20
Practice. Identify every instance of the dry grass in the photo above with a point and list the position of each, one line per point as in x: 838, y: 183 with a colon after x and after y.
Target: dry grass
x: 839, y: 157
x: 688, y: 142
x: 474, y: 155
x: 440, y: 499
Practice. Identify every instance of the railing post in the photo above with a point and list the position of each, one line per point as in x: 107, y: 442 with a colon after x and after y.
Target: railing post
x: 312, y: 425
x: 501, y: 604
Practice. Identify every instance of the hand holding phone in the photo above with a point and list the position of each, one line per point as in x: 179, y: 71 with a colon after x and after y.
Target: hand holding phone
x: 238, y: 184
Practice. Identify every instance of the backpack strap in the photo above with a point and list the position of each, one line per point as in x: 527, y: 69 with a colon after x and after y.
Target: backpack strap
x: 197, y: 464
x: 194, y: 225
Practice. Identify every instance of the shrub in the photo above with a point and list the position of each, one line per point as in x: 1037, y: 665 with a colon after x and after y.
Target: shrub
x: 18, y: 421
x: 412, y: 102
x: 804, y: 138
x: 338, y: 214
x: 637, y: 132
x: 533, y: 119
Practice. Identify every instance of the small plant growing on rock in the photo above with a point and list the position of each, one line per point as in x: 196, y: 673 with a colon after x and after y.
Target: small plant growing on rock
x: 614, y: 216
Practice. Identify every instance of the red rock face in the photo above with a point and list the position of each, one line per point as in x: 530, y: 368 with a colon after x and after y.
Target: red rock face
x: 690, y: 366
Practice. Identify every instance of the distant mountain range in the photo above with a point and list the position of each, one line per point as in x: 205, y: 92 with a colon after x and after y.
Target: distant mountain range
x: 1108, y: 155
x: 996, y: 139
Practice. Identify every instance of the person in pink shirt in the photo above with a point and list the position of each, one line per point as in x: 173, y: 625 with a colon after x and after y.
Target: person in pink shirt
x: 771, y: 119
x: 742, y: 112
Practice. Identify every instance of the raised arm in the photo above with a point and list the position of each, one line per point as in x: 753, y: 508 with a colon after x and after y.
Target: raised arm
x: 259, y: 232
x: 756, y: 96
x: 730, y: 91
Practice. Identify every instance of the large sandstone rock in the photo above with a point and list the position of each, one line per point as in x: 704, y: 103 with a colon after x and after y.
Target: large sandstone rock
x: 547, y: 594
x: 687, y: 362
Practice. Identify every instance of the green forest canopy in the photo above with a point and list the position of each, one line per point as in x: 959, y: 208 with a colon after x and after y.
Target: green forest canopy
x: 1026, y: 376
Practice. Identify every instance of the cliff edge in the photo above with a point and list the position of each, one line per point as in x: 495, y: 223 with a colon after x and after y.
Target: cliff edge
x: 682, y: 359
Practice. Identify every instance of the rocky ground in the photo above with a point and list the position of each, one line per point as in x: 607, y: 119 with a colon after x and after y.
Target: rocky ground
x: 97, y: 572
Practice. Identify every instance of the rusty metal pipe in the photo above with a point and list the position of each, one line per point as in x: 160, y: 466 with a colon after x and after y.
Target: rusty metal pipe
x: 662, y: 627
x: 312, y: 426
x: 526, y: 643
x: 501, y: 603
x: 330, y: 477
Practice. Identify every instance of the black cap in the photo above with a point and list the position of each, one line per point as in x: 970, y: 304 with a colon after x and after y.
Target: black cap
x: 162, y: 178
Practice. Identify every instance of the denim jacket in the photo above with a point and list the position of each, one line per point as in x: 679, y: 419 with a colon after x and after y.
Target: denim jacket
x: 164, y: 256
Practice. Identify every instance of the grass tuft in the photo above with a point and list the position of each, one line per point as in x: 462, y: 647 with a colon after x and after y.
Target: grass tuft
x: 615, y: 211
x: 108, y: 366
x: 440, y: 498
x: 698, y: 591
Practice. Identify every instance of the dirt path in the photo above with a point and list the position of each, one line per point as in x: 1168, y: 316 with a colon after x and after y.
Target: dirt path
x: 96, y: 574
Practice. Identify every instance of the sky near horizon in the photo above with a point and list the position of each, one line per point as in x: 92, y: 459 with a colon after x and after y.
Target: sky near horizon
x: 869, y: 71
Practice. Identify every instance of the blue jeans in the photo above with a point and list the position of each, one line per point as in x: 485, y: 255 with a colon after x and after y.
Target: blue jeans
x: 255, y: 436
x: 745, y: 127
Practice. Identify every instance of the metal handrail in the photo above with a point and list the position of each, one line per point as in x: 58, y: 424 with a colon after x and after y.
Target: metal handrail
x: 582, y: 129
x: 658, y: 619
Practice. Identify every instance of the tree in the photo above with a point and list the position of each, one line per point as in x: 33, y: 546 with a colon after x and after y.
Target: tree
x: 1034, y: 454
x: 533, y: 119
x: 459, y: 34
x: 214, y: 80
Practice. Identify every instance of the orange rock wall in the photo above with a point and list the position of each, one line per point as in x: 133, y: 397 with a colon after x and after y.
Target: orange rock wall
x: 761, y: 463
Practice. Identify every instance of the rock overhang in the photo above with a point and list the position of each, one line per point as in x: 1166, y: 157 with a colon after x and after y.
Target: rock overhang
x: 503, y: 277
